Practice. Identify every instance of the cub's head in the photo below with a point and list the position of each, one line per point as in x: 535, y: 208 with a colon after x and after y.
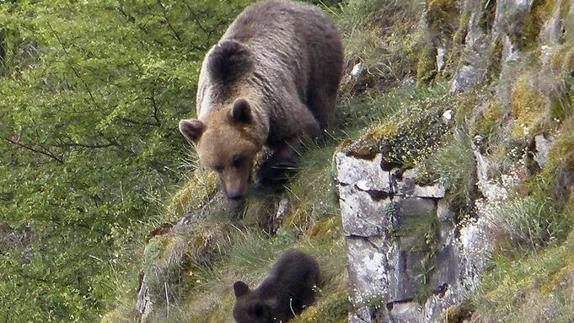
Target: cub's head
x: 226, y: 143
x: 248, y: 307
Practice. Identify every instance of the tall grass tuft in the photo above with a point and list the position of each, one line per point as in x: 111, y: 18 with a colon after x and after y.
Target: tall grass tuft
x: 529, y: 223
x: 455, y: 165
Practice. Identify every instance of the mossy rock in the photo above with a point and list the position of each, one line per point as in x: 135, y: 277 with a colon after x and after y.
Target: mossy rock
x: 426, y: 65
x: 442, y: 15
x: 194, y: 194
x: 412, y: 141
x: 490, y: 121
x: 156, y: 252
x: 529, y: 107
x: 207, y: 240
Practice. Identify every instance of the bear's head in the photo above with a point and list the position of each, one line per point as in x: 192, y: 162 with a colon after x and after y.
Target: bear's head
x: 249, y: 307
x: 225, y: 141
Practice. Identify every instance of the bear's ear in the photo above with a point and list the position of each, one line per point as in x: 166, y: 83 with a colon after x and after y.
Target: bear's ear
x: 241, y: 111
x: 240, y: 288
x: 191, y: 129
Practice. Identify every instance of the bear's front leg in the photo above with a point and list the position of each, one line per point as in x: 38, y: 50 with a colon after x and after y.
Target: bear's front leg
x: 274, y: 167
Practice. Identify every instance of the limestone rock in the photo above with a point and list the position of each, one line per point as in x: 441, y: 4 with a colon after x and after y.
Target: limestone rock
x: 543, y: 146
x: 408, y: 258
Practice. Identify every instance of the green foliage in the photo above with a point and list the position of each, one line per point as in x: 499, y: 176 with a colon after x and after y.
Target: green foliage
x: 90, y: 96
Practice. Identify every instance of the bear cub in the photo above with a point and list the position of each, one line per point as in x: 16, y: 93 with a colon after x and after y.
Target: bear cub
x: 287, y: 290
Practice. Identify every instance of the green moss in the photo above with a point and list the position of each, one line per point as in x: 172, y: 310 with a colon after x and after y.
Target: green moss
x: 462, y: 28
x: 193, y: 194
x: 412, y: 141
x: 490, y: 121
x: 155, y: 251
x: 443, y: 19
x: 529, y: 107
x: 456, y: 49
x: 426, y: 65
x: 525, y: 26
x: 442, y: 15
x: 495, y: 61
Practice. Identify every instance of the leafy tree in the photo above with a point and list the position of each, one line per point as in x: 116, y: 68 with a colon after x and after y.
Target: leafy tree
x: 90, y: 95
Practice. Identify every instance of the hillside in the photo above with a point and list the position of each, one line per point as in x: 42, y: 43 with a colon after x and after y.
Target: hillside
x: 444, y: 194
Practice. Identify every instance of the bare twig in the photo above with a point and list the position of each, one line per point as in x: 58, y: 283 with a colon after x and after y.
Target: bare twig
x: 44, y: 152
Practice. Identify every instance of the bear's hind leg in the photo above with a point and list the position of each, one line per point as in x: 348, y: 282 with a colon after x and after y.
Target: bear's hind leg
x: 322, y: 105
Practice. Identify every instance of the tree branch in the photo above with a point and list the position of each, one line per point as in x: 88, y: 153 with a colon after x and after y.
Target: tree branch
x: 132, y: 20
x: 32, y: 149
x: 169, y: 25
x: 155, y: 108
x: 72, y: 66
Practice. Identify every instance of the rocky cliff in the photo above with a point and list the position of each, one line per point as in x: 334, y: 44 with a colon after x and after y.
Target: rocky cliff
x: 415, y: 254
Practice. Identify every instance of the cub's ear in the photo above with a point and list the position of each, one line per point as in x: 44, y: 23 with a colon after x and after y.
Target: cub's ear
x: 241, y: 111
x: 240, y: 288
x: 191, y: 129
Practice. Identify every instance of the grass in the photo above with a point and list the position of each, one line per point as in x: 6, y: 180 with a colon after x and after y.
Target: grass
x: 534, y: 288
x: 385, y: 43
x: 529, y: 106
x: 529, y: 223
x: 455, y: 166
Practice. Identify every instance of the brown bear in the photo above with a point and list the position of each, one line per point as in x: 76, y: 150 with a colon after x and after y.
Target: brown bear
x: 271, y: 81
x: 288, y: 289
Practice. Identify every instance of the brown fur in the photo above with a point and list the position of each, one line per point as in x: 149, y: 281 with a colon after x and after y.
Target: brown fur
x: 271, y: 81
x: 287, y: 290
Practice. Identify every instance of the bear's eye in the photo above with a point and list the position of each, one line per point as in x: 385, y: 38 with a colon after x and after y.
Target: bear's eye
x: 238, y: 161
x: 218, y: 168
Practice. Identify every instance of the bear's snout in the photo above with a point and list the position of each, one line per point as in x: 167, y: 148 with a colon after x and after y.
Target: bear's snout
x: 234, y: 195
x: 234, y: 186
